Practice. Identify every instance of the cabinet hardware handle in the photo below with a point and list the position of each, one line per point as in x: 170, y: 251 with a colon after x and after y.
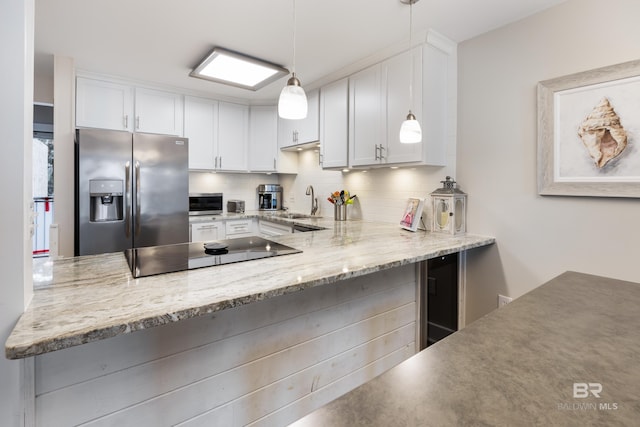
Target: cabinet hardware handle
x: 381, y: 148
x: 137, y: 225
x: 127, y: 203
x: 126, y: 121
x: 137, y: 122
x: 220, y: 162
x: 320, y: 159
x: 215, y: 164
x: 274, y: 163
x: 376, y: 152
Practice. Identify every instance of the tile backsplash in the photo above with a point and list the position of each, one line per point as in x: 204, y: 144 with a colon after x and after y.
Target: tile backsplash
x: 382, y: 192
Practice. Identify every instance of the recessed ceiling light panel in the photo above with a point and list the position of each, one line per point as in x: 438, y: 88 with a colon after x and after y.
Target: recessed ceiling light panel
x: 235, y: 69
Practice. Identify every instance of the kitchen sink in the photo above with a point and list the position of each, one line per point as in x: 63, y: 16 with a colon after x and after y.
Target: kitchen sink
x: 300, y: 228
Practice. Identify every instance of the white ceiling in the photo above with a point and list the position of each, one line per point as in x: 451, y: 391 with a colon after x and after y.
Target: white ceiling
x: 161, y: 41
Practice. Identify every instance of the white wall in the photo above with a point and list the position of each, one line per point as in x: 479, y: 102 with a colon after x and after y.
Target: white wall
x: 16, y: 132
x: 537, y: 237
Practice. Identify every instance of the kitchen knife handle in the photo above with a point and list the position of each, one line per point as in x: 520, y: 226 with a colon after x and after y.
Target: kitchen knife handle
x: 127, y: 205
x: 137, y: 198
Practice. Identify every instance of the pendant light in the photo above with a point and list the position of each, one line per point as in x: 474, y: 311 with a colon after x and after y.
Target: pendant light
x: 292, y: 103
x: 410, y: 131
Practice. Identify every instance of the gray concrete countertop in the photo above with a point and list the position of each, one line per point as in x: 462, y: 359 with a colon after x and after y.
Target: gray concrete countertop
x: 89, y: 298
x: 517, y: 366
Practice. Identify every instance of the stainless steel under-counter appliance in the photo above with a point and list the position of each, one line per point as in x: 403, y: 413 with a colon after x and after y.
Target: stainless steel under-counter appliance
x: 269, y: 197
x: 132, y: 190
x: 205, y: 203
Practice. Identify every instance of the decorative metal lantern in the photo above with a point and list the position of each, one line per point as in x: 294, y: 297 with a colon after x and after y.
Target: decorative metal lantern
x: 449, y: 209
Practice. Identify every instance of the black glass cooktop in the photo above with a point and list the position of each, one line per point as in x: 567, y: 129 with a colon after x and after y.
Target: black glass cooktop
x: 185, y: 256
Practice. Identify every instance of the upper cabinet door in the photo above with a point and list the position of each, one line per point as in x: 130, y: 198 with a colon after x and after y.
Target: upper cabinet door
x: 438, y: 104
x: 233, y: 130
x: 263, y: 138
x: 396, y: 74
x: 367, y: 128
x: 159, y: 112
x: 309, y: 127
x: 334, y: 124
x: 200, y: 117
x: 104, y: 105
x: 303, y: 131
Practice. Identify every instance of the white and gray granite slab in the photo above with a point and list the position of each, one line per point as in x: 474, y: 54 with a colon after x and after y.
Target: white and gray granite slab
x: 89, y: 298
x: 516, y: 366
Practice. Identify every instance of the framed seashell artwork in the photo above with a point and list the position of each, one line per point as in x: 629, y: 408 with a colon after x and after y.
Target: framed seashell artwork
x: 589, y: 133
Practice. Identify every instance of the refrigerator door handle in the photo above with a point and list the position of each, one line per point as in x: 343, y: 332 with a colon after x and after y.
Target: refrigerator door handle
x: 137, y: 198
x: 127, y: 206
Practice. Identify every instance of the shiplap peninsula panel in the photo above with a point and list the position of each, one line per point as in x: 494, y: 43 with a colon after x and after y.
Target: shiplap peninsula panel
x: 242, y: 365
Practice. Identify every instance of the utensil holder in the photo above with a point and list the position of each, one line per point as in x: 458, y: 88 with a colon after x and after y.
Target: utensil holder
x: 340, y: 212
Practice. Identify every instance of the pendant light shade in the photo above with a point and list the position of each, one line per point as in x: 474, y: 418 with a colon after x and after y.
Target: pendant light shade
x: 292, y: 103
x: 410, y: 131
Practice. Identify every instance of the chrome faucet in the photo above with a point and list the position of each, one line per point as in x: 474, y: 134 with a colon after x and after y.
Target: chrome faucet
x: 314, y: 200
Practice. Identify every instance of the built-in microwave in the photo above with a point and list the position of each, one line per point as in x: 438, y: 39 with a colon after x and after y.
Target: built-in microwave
x: 205, y: 203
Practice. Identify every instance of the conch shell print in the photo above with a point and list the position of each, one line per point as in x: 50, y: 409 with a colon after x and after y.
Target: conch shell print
x: 602, y: 134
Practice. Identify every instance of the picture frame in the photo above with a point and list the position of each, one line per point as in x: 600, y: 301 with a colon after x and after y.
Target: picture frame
x: 412, y: 213
x: 589, y: 133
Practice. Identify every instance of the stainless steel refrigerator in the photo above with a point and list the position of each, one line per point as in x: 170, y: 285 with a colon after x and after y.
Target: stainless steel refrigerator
x: 132, y: 190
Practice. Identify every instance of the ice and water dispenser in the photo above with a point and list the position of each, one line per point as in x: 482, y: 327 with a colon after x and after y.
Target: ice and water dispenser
x: 106, y: 200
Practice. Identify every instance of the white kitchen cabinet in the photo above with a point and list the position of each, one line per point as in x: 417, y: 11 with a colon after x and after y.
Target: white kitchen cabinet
x: 396, y: 75
x: 104, y: 105
x: 438, y: 101
x: 367, y: 128
x: 111, y: 105
x: 200, y: 119
x: 206, y: 231
x: 379, y: 102
x: 263, y: 138
x: 263, y: 153
x: 334, y: 124
x: 233, y: 129
x: 158, y: 112
x: 217, y: 133
x: 304, y: 131
x: 239, y: 228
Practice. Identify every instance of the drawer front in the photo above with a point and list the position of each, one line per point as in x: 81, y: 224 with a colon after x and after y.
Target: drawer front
x: 238, y: 227
x: 206, y: 231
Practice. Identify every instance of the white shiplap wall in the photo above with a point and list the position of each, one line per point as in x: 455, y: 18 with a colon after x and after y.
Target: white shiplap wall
x: 267, y: 363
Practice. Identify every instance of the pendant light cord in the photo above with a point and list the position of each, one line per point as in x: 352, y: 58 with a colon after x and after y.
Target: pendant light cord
x: 293, y: 68
x: 410, y: 55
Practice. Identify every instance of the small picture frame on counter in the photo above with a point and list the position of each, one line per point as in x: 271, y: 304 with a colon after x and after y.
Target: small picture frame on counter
x: 412, y: 214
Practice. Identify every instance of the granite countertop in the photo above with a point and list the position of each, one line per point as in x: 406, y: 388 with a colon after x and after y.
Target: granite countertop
x: 516, y: 366
x: 89, y: 298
